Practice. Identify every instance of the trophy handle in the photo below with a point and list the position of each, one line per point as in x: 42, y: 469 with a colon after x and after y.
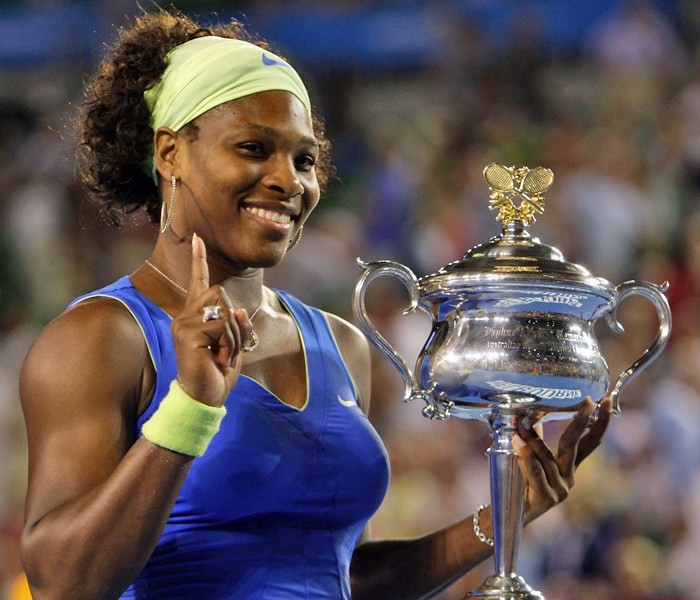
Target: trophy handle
x: 655, y: 293
x: 371, y: 271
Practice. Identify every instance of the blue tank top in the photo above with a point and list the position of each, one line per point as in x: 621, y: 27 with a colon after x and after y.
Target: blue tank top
x: 274, y: 508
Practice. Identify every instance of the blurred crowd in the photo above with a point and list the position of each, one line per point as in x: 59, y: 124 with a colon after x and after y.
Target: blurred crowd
x: 617, y: 120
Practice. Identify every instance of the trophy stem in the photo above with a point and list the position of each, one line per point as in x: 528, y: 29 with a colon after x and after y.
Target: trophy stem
x: 508, y: 507
x: 507, y: 498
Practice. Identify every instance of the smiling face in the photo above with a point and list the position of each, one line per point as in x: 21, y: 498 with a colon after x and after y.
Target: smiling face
x: 247, y: 179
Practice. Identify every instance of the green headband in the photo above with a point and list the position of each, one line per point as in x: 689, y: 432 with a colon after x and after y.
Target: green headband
x: 208, y: 71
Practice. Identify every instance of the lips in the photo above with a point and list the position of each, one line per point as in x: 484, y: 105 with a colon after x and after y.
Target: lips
x: 282, y: 218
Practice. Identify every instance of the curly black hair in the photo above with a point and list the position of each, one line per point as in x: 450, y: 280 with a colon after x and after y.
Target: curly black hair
x: 115, y: 139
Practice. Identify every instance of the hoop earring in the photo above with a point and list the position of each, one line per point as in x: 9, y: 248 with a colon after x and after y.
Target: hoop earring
x: 295, y: 240
x: 169, y: 217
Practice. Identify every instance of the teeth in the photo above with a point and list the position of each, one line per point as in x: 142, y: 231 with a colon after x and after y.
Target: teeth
x: 270, y: 215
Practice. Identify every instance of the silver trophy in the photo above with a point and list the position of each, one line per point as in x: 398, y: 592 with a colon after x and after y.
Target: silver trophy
x: 512, y: 337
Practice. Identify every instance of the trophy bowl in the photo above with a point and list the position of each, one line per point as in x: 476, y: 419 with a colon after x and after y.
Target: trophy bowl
x: 512, y: 337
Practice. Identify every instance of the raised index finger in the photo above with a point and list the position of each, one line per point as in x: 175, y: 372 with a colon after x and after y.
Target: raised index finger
x: 199, y: 272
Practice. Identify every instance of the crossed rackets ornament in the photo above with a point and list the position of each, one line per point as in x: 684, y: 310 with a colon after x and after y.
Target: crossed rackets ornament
x: 507, y: 185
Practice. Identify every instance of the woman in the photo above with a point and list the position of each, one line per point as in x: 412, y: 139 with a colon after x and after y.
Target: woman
x: 192, y: 356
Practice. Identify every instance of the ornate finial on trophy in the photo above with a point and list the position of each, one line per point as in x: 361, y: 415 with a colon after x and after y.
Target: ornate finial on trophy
x: 509, y: 183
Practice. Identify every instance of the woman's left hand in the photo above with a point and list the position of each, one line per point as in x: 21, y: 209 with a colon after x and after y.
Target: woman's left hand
x: 549, y: 478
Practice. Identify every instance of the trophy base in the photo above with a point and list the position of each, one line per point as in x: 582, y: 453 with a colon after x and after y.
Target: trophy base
x: 511, y: 587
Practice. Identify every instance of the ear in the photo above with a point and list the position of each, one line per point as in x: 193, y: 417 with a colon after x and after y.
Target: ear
x: 166, y: 143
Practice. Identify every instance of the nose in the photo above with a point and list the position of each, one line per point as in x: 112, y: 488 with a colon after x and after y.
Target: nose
x: 283, y: 178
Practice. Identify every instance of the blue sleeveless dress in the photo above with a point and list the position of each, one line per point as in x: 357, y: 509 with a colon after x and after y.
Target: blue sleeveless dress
x: 275, y: 506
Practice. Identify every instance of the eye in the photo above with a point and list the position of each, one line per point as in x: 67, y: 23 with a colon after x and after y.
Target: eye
x: 306, y: 162
x: 253, y: 148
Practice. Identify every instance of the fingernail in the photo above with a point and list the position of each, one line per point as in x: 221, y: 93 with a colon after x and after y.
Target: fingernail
x: 518, y: 441
x: 194, y: 238
x: 526, y: 423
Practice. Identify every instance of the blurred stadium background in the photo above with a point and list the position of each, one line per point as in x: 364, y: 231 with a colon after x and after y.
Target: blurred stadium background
x: 418, y: 97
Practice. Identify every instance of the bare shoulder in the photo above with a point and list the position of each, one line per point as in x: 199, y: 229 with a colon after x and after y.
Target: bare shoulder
x: 96, y: 336
x: 80, y: 386
x: 352, y: 342
x: 355, y: 351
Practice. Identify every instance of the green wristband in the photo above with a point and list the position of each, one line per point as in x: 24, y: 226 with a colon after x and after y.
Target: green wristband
x: 183, y: 424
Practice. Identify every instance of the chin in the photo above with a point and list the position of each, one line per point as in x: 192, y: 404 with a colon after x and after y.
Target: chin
x: 269, y: 259
x: 267, y: 264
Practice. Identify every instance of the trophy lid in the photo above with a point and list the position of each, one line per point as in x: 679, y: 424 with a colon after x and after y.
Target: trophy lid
x: 514, y: 256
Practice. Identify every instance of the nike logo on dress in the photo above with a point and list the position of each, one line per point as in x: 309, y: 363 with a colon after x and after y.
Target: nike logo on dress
x: 271, y: 61
x: 347, y: 403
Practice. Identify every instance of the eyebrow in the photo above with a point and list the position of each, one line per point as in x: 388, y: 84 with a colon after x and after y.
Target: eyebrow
x: 308, y: 140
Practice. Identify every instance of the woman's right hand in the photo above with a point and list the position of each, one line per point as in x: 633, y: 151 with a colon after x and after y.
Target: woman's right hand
x: 209, y: 356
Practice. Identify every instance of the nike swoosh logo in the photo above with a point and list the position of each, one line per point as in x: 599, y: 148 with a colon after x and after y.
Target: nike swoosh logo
x: 348, y: 403
x: 271, y: 61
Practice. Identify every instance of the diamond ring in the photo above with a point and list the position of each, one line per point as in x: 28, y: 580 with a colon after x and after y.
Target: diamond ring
x: 211, y: 313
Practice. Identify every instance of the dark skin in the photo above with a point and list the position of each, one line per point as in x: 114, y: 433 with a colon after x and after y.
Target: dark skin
x: 98, y: 500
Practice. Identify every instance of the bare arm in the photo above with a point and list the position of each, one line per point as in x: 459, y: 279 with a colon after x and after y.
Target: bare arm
x: 97, y: 502
x: 421, y: 567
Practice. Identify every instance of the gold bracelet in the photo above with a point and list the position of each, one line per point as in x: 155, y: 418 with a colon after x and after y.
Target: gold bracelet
x: 480, y: 535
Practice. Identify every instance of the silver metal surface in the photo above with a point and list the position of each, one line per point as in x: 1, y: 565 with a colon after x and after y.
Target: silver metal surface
x: 512, y: 336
